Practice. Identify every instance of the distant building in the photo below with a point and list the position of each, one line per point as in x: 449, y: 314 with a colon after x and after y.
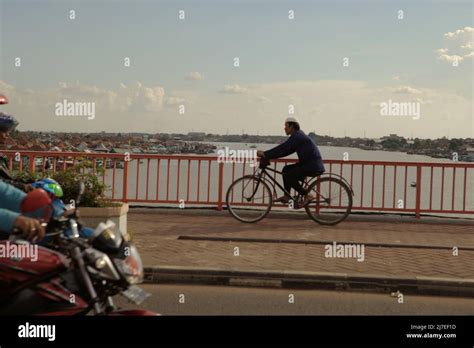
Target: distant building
x: 392, y: 137
x: 137, y: 150
x: 159, y: 149
x: 119, y: 150
x: 37, y: 147
x: 125, y: 150
x: 101, y: 148
x: 196, y: 134
x: 82, y: 147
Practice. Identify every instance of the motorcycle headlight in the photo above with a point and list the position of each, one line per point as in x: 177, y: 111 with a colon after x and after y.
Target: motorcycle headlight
x: 109, y: 240
x: 131, y: 266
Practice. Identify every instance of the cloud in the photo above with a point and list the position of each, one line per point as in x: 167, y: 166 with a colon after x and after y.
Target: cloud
x: 181, y: 96
x: 263, y: 99
x: 140, y: 98
x: 451, y: 59
x: 233, y: 89
x: 81, y: 93
x: 6, y: 88
x: 423, y: 101
x: 171, y: 101
x: 335, y: 106
x: 25, y: 97
x: 194, y: 76
x: 114, y: 107
x: 459, y: 32
x: 405, y: 90
x: 324, y: 106
x: 316, y: 111
x: 461, y: 46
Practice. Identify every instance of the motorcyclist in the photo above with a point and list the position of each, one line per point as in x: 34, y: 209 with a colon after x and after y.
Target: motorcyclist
x: 7, y: 124
x: 10, y: 218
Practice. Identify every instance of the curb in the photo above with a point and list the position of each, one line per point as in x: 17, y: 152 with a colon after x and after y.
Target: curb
x: 317, y: 242
x: 310, y: 280
x: 279, y: 214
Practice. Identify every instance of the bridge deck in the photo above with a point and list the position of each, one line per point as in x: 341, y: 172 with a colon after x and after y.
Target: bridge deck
x: 392, y: 249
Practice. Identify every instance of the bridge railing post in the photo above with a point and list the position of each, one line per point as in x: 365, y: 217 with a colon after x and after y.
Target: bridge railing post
x: 221, y: 185
x: 125, y: 180
x: 418, y: 191
x: 31, y: 159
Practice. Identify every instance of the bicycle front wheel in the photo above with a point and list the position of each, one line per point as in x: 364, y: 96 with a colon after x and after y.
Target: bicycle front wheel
x: 332, y: 203
x: 249, y: 199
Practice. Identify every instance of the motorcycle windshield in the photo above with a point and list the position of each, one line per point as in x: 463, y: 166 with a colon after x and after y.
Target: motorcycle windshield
x: 109, y: 240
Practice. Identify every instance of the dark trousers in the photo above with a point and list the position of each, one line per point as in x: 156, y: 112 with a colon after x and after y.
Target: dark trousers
x: 293, y: 174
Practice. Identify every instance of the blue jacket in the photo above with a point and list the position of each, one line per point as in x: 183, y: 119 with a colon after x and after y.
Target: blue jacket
x: 308, y: 153
x: 10, y: 200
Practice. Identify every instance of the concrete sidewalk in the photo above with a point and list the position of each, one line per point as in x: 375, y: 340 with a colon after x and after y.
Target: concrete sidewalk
x: 405, y: 256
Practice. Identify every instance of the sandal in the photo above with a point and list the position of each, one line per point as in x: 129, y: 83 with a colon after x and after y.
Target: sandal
x: 283, y: 199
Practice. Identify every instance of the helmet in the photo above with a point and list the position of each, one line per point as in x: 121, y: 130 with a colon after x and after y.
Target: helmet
x: 292, y: 119
x: 49, y: 185
x: 7, y: 123
x: 3, y: 99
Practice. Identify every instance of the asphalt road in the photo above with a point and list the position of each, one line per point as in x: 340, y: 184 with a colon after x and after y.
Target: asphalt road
x: 167, y: 299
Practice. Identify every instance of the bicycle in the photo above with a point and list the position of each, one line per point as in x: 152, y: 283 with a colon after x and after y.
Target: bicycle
x: 256, y: 203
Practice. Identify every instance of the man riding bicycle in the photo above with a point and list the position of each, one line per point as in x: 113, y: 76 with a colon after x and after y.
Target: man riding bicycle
x: 310, y: 161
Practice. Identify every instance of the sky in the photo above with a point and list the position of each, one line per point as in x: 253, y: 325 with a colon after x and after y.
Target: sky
x: 333, y: 64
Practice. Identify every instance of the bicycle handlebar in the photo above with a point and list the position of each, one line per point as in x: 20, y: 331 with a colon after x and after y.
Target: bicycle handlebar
x: 263, y: 163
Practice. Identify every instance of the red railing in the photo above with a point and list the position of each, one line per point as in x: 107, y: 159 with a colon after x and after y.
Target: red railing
x: 379, y: 186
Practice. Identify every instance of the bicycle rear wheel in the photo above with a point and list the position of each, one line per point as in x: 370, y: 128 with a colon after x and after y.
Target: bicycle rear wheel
x: 333, y: 201
x: 249, y: 199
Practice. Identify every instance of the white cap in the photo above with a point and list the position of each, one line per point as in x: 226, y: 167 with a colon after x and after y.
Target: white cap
x: 292, y: 119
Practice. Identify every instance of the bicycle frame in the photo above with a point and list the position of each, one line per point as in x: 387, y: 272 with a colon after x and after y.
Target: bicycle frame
x: 272, y: 181
x: 263, y: 175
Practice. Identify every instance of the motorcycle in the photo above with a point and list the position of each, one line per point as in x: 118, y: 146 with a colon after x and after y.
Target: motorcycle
x: 77, y: 272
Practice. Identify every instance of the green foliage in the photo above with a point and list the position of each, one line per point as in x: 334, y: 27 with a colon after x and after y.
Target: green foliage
x: 30, y: 177
x: 393, y: 144
x: 94, y: 194
x: 370, y: 142
x: 94, y: 191
x: 455, y: 144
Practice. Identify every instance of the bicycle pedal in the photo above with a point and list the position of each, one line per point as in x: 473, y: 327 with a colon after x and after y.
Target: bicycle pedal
x: 297, y: 204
